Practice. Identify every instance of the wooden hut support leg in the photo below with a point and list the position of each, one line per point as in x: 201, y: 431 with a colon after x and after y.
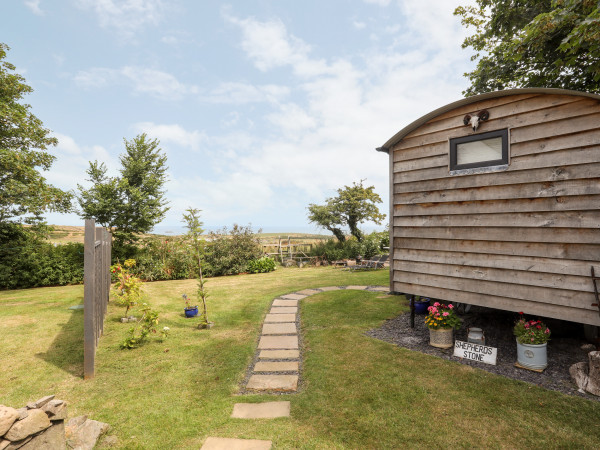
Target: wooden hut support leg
x: 412, y: 310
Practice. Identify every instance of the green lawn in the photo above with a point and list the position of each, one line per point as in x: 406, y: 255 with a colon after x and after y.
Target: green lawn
x: 356, y: 392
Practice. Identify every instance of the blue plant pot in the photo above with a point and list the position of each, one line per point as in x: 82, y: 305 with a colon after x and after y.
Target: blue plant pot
x: 191, y: 312
x: 421, y: 306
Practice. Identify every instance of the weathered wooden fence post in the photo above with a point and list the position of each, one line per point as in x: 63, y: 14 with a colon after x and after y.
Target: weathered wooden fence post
x: 96, y: 289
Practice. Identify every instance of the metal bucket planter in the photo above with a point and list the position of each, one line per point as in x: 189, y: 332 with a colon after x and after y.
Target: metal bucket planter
x: 532, y: 356
x: 441, y: 338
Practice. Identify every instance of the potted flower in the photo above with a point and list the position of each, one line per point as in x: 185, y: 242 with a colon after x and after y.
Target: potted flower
x: 190, y: 311
x: 421, y: 304
x: 441, y: 321
x: 532, y: 341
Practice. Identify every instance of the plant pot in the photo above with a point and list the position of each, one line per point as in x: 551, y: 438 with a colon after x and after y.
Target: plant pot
x: 532, y: 356
x: 421, y: 306
x: 191, y: 311
x: 441, y: 338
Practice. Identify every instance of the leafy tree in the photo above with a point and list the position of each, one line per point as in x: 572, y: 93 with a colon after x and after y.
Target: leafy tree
x: 134, y: 202
x: 533, y: 43
x: 353, y: 205
x: 23, y: 153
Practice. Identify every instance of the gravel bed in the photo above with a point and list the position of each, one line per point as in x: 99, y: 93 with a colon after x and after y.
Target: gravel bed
x: 566, y: 347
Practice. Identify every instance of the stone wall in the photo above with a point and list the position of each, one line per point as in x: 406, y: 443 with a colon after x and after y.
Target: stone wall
x: 40, y: 425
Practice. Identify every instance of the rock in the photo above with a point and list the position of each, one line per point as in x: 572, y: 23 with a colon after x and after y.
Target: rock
x: 124, y: 320
x: 579, y: 373
x: 56, y: 410
x: 8, y: 416
x: 36, y: 421
x: 41, y: 402
x: 4, y: 443
x: 23, y: 412
x: 588, y: 347
x: 587, y: 374
x: 593, y: 385
x: 51, y: 439
x: 18, y: 444
x: 109, y: 441
x: 83, y: 433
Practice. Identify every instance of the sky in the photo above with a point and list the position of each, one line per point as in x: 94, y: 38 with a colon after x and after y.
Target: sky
x: 261, y: 106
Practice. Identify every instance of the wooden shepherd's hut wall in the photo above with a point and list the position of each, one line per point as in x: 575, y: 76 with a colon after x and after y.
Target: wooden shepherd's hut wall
x: 520, y: 238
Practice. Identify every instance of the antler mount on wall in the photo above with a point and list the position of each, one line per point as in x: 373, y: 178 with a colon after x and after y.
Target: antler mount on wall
x: 475, y: 119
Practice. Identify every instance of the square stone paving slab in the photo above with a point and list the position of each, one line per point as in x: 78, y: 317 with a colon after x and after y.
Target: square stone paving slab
x: 279, y: 302
x: 359, y: 288
x: 278, y: 342
x: 282, y: 383
x: 293, y: 297
x: 283, y: 310
x: 216, y: 443
x: 266, y: 410
x: 276, y: 366
x: 280, y: 318
x: 279, y: 328
x: 330, y: 288
x: 309, y: 292
x: 279, y: 354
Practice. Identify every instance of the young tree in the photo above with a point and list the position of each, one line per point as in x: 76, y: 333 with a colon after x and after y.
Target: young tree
x: 353, y: 205
x: 194, y: 233
x: 533, y: 43
x: 23, y: 153
x: 134, y: 202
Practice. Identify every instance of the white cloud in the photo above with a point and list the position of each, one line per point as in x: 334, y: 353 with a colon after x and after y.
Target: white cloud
x: 172, y: 134
x: 269, y: 45
x: 34, y: 7
x: 72, y: 160
x: 358, y: 24
x: 125, y: 16
x: 157, y: 83
x: 240, y: 93
x: 327, y: 138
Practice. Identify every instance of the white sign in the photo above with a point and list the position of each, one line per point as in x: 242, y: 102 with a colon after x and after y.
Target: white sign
x: 475, y: 352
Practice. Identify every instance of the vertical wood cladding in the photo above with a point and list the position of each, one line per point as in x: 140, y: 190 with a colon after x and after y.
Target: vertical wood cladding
x: 522, y: 238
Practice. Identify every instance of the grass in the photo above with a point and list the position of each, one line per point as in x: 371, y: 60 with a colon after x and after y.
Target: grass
x: 356, y: 392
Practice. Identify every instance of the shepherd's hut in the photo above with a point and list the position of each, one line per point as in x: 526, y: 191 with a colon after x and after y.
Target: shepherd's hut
x: 495, y: 201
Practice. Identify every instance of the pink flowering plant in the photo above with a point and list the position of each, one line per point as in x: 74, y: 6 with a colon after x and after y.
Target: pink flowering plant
x: 442, y: 316
x: 531, y: 331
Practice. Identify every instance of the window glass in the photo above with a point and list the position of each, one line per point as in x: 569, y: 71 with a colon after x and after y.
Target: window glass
x: 479, y: 151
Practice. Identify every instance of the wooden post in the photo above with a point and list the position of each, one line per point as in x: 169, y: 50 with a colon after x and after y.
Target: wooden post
x: 89, y: 340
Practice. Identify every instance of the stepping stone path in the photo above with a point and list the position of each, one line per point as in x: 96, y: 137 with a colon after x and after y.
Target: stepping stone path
x: 277, y: 365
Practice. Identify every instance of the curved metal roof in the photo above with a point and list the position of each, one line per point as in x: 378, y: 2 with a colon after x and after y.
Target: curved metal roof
x: 476, y: 98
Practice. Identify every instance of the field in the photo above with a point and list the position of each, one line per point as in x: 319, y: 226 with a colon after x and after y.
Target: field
x: 63, y: 234
x: 356, y: 392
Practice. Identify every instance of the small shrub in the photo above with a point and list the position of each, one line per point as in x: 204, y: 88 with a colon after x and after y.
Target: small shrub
x: 146, y: 325
x: 129, y: 287
x: 261, y: 265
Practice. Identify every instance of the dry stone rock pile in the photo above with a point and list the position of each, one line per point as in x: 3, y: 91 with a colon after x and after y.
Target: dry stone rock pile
x: 41, y: 426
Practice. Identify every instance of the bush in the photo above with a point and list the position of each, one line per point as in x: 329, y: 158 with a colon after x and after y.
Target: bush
x: 26, y: 260
x: 229, y: 252
x: 334, y: 250
x: 261, y: 265
x: 160, y: 258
